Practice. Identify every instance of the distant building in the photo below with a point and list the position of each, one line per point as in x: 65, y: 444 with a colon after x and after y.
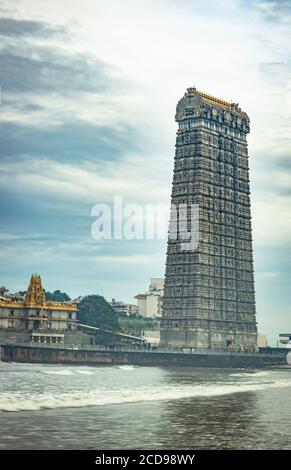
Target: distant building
x: 43, y: 321
x: 262, y: 341
x: 152, y: 337
x: 150, y: 303
x: 286, y: 339
x: 122, y: 308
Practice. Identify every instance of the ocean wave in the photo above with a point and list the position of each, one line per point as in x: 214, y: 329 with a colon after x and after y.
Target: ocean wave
x: 57, y: 372
x: 83, y: 372
x: 67, y: 371
x: 250, y: 374
x: 131, y: 396
x: 127, y: 367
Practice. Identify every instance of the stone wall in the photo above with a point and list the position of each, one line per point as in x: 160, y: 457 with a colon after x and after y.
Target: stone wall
x: 142, y: 358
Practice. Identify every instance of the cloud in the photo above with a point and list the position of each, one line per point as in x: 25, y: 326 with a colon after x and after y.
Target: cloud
x: 17, y: 27
x: 69, y: 141
x: 47, y: 70
x: 276, y: 10
x: 272, y: 220
x: 45, y: 82
x: 88, y: 102
x: 271, y: 274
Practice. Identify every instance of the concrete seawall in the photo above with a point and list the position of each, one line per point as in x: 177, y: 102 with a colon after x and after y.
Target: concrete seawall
x: 64, y: 355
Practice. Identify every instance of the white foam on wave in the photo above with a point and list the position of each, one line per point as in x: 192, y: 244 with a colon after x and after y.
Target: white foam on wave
x: 58, y: 372
x: 83, y: 372
x: 126, y: 367
x: 113, y: 397
x: 250, y: 374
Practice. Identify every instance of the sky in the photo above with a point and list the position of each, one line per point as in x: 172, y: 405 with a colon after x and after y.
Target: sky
x: 88, y: 96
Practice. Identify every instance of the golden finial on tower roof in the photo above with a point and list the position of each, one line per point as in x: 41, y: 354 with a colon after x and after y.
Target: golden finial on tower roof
x: 215, y: 100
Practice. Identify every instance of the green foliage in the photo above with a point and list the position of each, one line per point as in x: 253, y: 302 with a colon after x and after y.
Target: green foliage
x: 57, y: 296
x: 22, y: 292
x: 93, y: 310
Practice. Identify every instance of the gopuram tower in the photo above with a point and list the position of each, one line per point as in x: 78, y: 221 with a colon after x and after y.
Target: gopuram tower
x: 209, y: 298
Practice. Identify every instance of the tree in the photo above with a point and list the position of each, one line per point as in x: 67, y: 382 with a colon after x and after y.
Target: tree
x: 93, y: 310
x: 57, y: 296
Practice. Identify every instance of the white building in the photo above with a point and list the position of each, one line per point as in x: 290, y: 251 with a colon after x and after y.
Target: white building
x: 149, y: 304
x: 262, y: 341
x: 286, y: 340
x: 123, y: 308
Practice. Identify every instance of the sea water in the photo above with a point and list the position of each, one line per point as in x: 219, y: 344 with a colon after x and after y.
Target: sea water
x: 127, y: 407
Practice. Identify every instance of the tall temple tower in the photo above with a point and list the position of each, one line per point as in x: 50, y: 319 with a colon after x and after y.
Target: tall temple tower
x: 35, y: 294
x: 209, y: 298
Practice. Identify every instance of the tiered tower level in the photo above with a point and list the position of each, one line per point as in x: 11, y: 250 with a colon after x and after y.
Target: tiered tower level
x: 209, y: 298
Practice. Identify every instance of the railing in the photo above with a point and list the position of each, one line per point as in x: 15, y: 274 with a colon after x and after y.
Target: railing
x: 88, y: 347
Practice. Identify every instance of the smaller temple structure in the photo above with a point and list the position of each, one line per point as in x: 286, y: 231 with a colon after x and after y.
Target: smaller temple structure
x: 35, y: 319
